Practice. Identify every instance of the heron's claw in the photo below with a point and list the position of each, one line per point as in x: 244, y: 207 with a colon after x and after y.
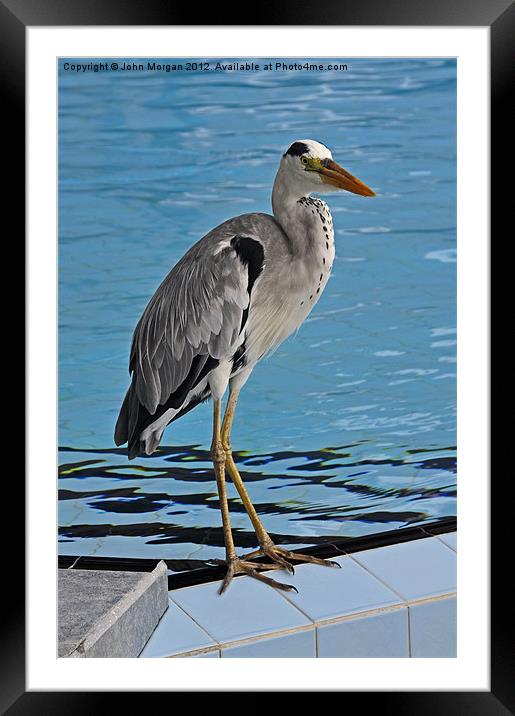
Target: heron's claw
x: 235, y: 565
x: 279, y: 555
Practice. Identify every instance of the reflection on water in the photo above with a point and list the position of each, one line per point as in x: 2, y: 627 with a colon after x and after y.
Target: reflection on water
x: 148, y: 163
x: 169, y: 502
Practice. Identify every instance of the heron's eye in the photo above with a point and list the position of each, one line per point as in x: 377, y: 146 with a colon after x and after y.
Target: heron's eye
x: 304, y: 160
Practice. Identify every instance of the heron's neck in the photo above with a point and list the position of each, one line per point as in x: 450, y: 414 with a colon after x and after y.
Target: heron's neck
x: 287, y: 211
x: 298, y: 219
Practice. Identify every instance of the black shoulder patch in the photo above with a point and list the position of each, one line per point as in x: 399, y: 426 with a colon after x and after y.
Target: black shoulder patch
x: 297, y: 149
x: 251, y: 254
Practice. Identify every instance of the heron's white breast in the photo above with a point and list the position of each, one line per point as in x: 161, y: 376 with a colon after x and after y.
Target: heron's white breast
x: 287, y: 293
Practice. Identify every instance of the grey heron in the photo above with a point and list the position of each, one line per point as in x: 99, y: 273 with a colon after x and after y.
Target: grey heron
x: 234, y: 296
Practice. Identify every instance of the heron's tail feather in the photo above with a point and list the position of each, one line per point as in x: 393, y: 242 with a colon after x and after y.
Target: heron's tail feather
x: 128, y: 426
x: 147, y: 443
x: 143, y: 431
x: 134, y: 426
x: 121, y: 434
x: 150, y: 438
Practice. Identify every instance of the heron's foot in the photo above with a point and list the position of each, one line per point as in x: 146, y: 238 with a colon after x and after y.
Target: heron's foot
x: 280, y: 556
x: 235, y: 565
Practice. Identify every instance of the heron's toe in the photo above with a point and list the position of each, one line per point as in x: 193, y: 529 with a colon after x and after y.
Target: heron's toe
x: 280, y: 556
x: 235, y: 566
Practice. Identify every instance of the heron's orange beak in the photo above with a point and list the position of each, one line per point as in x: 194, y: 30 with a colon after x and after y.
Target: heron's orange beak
x: 332, y: 173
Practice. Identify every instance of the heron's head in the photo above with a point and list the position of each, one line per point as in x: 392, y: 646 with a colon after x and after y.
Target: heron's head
x: 309, y: 167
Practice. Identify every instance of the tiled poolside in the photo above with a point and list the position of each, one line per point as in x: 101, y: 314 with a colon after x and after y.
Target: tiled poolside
x: 393, y: 601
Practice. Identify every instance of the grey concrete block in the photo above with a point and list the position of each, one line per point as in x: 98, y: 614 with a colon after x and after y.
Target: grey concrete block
x: 109, y: 614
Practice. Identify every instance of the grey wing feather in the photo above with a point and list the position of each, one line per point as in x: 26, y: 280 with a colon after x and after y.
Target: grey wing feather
x: 196, y: 311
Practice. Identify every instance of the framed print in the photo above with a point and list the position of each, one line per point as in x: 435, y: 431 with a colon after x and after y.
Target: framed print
x: 145, y: 133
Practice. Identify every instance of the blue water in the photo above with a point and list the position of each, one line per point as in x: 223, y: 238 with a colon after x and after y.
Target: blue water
x: 349, y: 427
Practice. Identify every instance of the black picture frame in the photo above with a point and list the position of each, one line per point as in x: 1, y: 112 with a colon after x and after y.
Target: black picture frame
x: 15, y: 17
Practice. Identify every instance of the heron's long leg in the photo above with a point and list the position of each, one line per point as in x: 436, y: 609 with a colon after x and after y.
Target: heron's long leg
x: 218, y: 455
x: 234, y: 564
x: 260, y: 531
x: 267, y: 547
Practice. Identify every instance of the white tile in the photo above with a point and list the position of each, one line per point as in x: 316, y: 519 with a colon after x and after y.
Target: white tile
x: 325, y: 592
x: 175, y: 633
x: 417, y: 569
x: 433, y: 628
x: 300, y: 644
x: 450, y: 539
x: 384, y: 634
x: 248, y: 608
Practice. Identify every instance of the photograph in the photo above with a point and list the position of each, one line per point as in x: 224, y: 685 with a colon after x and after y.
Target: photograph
x: 257, y: 385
